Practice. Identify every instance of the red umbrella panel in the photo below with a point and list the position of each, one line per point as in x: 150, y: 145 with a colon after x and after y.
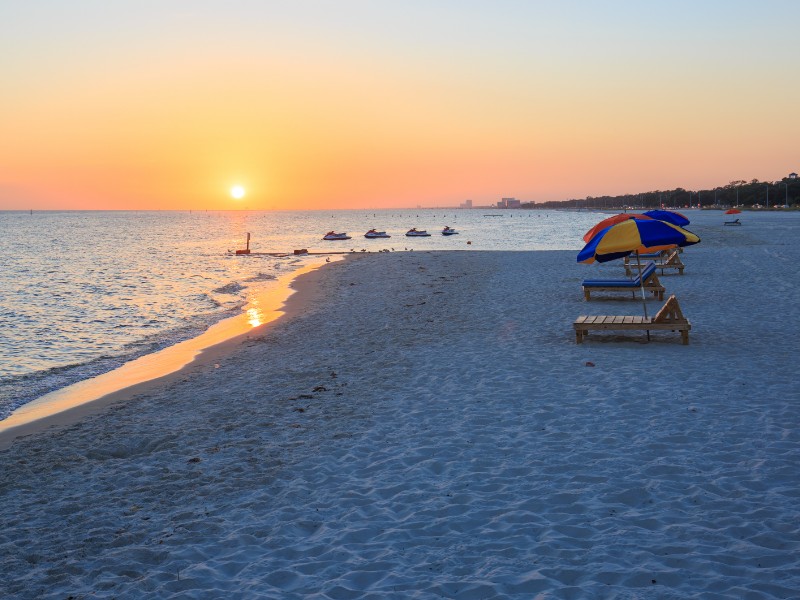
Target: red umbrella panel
x: 611, y: 221
x: 732, y: 211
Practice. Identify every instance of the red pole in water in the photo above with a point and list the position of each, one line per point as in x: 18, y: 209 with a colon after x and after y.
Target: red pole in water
x: 247, y: 249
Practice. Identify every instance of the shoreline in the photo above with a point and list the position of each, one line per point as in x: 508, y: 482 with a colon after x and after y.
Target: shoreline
x: 74, y: 402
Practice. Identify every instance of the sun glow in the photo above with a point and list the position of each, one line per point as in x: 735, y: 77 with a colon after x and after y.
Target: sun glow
x: 237, y: 192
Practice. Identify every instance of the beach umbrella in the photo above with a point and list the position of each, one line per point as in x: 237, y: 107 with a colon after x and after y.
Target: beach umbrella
x: 670, y: 216
x: 732, y: 211
x: 609, y: 222
x: 635, y: 236
x: 632, y: 236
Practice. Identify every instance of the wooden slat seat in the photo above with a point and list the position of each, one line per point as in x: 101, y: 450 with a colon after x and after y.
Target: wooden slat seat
x: 669, y: 318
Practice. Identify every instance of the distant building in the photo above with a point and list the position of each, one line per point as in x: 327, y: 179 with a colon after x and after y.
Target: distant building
x: 466, y: 204
x: 509, y: 203
x: 792, y: 175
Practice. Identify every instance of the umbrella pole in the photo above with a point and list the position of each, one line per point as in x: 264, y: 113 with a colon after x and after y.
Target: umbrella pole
x: 641, y: 283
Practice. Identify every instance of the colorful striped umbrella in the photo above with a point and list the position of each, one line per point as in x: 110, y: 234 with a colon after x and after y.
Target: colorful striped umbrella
x: 609, y: 222
x: 634, y: 236
x: 670, y: 216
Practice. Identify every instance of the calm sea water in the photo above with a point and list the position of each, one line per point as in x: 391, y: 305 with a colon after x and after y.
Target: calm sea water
x: 83, y: 292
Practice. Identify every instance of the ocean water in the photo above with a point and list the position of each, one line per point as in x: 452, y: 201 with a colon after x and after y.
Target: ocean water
x: 81, y: 293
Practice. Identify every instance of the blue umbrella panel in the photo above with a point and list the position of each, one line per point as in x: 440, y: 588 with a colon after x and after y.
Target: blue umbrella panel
x: 670, y: 216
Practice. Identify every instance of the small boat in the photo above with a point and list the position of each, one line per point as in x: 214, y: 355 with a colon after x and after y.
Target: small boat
x: 372, y: 233
x: 333, y: 236
x: 414, y: 233
x: 449, y: 231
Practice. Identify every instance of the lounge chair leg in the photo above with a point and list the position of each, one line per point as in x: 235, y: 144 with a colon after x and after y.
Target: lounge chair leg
x: 685, y: 337
x: 578, y: 336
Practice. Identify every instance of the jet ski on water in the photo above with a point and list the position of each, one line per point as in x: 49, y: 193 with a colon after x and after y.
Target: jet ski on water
x: 333, y: 236
x: 449, y: 231
x: 372, y: 233
x: 414, y: 233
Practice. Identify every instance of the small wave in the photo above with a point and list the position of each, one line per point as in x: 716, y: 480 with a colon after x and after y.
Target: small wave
x: 50, y: 372
x: 260, y: 277
x: 207, y: 300
x: 232, y: 288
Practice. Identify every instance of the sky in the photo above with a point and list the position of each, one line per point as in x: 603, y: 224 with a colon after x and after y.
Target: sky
x: 382, y: 104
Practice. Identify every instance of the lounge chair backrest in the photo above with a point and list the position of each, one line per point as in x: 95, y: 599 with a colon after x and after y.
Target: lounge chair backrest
x: 648, y: 270
x: 672, y: 258
x: 670, y: 312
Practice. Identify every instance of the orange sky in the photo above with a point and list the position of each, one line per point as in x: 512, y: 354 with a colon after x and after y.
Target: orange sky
x: 146, y: 105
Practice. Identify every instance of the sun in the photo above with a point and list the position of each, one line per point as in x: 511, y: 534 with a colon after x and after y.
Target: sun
x: 238, y: 192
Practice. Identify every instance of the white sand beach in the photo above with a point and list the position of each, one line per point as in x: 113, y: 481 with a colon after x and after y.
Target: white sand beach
x: 425, y: 426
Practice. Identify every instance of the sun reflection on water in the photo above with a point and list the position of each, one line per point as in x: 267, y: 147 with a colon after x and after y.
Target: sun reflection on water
x: 254, y: 316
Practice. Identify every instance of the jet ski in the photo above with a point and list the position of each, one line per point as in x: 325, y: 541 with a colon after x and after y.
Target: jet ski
x: 449, y: 231
x: 372, y: 233
x: 332, y: 236
x: 414, y: 233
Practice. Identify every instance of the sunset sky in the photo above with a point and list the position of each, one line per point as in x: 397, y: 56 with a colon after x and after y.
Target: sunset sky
x: 369, y: 104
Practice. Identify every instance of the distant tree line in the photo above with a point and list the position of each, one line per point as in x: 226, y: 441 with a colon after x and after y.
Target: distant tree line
x: 746, y: 194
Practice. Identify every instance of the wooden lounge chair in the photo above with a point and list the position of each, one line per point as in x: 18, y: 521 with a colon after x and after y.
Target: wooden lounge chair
x: 669, y: 260
x: 669, y: 318
x: 651, y: 284
x: 631, y: 258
